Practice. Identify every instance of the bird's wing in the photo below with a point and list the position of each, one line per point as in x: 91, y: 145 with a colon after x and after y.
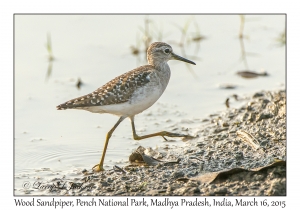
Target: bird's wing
x: 118, y: 90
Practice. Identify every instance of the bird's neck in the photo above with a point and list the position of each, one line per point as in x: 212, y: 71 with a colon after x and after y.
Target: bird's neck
x: 164, y: 73
x: 159, y: 65
x: 162, y: 69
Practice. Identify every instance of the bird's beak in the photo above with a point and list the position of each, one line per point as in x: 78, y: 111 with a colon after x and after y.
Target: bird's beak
x: 177, y: 57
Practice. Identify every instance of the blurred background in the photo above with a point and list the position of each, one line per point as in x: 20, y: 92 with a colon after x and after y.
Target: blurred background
x: 60, y: 57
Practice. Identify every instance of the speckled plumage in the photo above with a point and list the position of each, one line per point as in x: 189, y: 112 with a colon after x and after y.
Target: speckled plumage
x: 119, y: 90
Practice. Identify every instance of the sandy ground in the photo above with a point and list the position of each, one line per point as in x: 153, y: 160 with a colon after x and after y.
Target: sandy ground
x: 237, y: 152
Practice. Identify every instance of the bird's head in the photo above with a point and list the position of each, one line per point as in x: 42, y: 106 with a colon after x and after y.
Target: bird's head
x: 160, y: 52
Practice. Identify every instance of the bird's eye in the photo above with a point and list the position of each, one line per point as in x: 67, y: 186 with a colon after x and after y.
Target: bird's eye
x: 167, y: 50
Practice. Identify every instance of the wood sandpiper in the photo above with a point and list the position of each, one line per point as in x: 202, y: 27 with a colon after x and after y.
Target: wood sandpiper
x: 131, y: 93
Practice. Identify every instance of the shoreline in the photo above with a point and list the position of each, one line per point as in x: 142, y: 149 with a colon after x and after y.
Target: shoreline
x: 236, y: 152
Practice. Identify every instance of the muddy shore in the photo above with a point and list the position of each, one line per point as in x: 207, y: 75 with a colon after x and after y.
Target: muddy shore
x: 237, y: 152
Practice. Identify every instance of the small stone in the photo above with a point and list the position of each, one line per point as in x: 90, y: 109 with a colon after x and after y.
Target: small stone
x: 228, y: 162
x: 220, y: 190
x: 239, y: 155
x: 225, y: 124
x: 177, y: 174
x: 186, y: 151
x: 191, y: 183
x: 209, y: 153
x: 192, y: 173
x: 164, y: 180
x: 191, y: 191
x: 219, y: 130
x: 200, y: 144
x: 104, y: 184
x: 264, y: 116
x: 258, y: 177
x: 180, y: 191
x: 201, y: 152
x: 264, y: 143
x: 256, y: 95
x: 159, y: 165
x: 152, y: 192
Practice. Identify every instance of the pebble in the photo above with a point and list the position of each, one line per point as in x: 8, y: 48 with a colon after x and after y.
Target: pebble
x: 177, y: 174
x: 220, y: 190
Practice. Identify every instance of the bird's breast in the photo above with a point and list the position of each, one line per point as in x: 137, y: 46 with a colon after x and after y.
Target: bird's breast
x: 147, y: 95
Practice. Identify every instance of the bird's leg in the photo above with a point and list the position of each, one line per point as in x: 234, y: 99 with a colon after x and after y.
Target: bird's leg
x: 99, y: 167
x: 162, y: 133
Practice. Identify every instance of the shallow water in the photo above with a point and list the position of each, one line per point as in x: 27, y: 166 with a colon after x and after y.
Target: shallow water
x: 96, y: 48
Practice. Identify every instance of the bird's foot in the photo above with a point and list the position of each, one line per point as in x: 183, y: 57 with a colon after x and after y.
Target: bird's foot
x: 176, y: 135
x: 98, y: 168
x: 165, y: 133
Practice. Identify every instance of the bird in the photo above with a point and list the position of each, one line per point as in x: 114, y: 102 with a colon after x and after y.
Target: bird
x: 131, y: 93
